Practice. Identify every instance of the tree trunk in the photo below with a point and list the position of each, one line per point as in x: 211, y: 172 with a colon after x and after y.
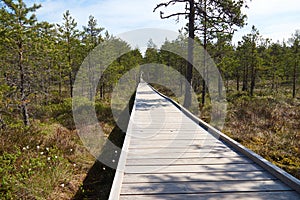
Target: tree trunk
x: 253, y: 69
x: 91, y: 79
x: 220, y: 85
x: 237, y: 81
x: 24, y: 110
x: 71, y: 83
x: 294, y: 82
x: 102, y: 91
x: 245, y: 78
x: 273, y: 79
x: 70, y: 66
x: 59, y: 82
x: 295, y: 74
x: 252, y: 86
x: 189, y: 71
x: 204, y: 83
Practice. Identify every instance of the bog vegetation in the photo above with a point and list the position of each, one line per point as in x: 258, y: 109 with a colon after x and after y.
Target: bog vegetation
x: 41, y: 155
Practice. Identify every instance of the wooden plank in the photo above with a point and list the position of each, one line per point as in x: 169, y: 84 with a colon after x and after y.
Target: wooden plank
x: 193, y: 168
x: 191, y: 132
x: 168, y: 136
x: 185, y: 161
x: 185, y: 143
x: 170, y: 118
x: 148, y: 117
x: 203, y: 187
x: 161, y: 145
x: 175, y: 150
x: 196, y: 144
x: 166, y: 120
x: 161, y: 137
x: 178, y: 150
x: 195, y: 147
x: 182, y: 155
x: 286, y: 195
x: 178, y: 141
x: 198, y: 177
x: 166, y: 127
x: 165, y: 109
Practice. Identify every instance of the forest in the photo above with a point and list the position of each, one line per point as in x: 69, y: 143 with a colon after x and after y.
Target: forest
x: 41, y: 155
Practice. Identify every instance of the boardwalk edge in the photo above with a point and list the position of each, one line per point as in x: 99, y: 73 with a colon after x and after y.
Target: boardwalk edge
x: 118, y: 178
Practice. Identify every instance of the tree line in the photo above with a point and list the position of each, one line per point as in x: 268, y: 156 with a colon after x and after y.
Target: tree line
x: 39, y: 60
x: 253, y: 63
x: 253, y: 60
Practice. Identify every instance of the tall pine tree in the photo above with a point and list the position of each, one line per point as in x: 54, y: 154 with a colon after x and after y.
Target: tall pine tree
x: 69, y: 39
x: 20, y: 31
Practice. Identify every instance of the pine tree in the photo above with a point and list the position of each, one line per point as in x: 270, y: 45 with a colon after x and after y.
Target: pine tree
x: 254, y: 36
x: 48, y: 59
x: 91, y: 38
x: 206, y: 18
x: 20, y: 31
x: 92, y: 33
x: 69, y: 38
x: 190, y: 15
x: 295, y: 42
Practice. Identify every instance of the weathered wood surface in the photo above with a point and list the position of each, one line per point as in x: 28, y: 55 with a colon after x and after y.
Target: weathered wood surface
x: 169, y: 156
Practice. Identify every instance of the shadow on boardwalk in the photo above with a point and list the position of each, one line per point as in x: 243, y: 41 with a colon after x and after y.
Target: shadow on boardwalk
x: 99, y: 179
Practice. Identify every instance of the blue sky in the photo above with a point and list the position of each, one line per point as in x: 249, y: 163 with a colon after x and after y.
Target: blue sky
x: 275, y: 19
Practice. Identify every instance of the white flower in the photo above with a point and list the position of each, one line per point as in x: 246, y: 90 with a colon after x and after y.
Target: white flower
x: 27, y: 147
x: 48, y: 158
x: 38, y: 147
x: 55, y: 157
x: 103, y: 168
x: 47, y: 148
x: 74, y: 165
x: 42, y: 153
x: 71, y: 150
x: 24, y: 148
x: 62, y: 185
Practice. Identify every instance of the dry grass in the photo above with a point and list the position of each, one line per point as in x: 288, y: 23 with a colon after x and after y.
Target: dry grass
x: 42, y: 162
x: 46, y: 160
x: 268, y: 126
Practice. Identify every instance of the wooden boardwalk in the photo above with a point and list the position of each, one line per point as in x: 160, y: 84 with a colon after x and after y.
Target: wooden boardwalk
x: 167, y: 155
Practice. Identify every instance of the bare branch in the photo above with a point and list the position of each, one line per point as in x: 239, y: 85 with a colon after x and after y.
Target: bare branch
x: 167, y: 4
x: 172, y: 15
